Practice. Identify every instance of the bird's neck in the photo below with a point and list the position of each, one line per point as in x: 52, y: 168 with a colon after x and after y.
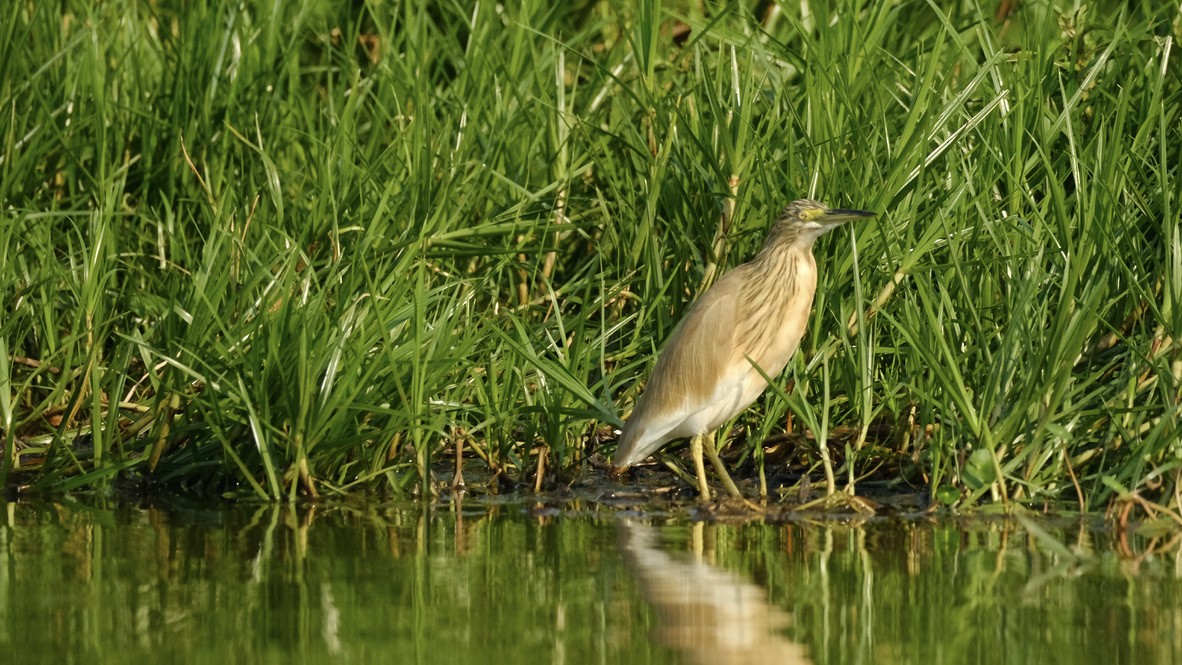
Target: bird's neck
x: 784, y: 244
x: 790, y: 265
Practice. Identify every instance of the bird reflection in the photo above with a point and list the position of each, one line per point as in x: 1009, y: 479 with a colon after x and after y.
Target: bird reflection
x: 708, y: 614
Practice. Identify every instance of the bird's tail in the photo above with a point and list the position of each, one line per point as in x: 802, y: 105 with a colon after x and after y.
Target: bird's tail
x: 626, y: 449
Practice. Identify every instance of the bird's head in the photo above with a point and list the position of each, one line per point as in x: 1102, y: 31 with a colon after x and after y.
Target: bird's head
x: 805, y: 221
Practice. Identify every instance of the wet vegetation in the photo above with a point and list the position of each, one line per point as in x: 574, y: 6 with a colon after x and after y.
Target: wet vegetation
x: 293, y: 249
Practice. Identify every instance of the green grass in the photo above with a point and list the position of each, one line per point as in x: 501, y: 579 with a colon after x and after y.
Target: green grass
x: 252, y: 252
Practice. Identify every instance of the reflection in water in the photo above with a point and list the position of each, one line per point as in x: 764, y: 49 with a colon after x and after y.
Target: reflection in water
x: 334, y: 584
x: 492, y: 582
x: 708, y: 614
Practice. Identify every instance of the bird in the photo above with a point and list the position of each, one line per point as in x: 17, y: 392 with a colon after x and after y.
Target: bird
x: 747, y: 325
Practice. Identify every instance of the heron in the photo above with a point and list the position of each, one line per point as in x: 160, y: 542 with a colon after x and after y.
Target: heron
x: 743, y: 328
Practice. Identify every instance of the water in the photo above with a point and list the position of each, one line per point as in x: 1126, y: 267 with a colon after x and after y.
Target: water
x: 586, y: 584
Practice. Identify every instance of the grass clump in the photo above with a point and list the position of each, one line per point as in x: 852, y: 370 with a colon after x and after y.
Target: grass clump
x: 304, y: 248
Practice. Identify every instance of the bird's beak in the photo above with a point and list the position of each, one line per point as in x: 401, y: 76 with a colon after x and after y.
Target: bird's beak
x: 836, y: 216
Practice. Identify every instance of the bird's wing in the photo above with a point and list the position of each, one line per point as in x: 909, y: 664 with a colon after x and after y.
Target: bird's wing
x: 701, y: 351
x: 697, y: 358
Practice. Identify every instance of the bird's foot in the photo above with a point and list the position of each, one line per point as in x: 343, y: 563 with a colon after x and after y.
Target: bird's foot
x: 729, y: 506
x: 842, y: 501
x: 706, y: 443
x: 733, y: 502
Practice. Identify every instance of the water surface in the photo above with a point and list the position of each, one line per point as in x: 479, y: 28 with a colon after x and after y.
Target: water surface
x: 516, y: 583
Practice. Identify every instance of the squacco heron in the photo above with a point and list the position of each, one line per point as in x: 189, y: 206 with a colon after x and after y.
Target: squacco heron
x: 754, y: 316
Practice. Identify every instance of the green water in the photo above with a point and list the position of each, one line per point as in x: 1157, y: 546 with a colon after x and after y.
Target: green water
x: 510, y: 584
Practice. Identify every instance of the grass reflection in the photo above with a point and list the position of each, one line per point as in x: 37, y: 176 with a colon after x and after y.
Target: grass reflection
x: 501, y: 582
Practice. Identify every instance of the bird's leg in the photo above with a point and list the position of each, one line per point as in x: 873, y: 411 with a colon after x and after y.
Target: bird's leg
x: 700, y: 466
x: 731, y: 488
x: 719, y: 468
x: 830, y: 481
